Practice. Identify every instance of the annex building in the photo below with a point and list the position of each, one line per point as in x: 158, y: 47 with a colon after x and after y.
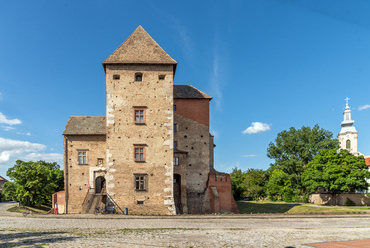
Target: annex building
x: 152, y: 153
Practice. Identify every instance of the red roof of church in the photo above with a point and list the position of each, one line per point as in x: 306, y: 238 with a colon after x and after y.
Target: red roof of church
x: 367, y: 161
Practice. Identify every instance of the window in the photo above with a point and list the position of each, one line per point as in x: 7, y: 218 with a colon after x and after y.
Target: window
x: 139, y: 115
x: 138, y: 77
x: 139, y: 153
x: 348, y: 144
x: 175, y: 145
x: 175, y: 127
x: 174, y: 107
x: 176, y: 161
x: 116, y: 77
x: 141, y: 181
x: 82, y: 157
x: 161, y: 77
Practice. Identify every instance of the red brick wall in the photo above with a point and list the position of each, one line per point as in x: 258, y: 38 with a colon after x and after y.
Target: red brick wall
x: 194, y: 109
x: 225, y: 201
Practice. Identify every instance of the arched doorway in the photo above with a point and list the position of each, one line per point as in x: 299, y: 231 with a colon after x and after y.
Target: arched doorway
x: 177, y: 192
x: 99, y: 184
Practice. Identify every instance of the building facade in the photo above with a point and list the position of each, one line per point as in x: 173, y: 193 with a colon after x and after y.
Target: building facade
x: 152, y: 153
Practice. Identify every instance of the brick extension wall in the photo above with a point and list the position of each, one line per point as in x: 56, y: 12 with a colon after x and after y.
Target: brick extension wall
x: 221, y: 199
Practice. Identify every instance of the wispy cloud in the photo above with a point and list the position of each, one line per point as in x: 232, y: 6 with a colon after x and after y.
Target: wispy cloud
x: 249, y: 156
x: 5, y: 120
x: 364, y: 107
x: 18, y: 149
x: 28, y: 134
x: 257, y: 127
x: 7, y: 128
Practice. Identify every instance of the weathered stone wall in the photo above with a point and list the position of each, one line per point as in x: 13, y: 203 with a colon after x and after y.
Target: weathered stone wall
x: 78, y: 177
x: 156, y: 97
x: 359, y: 199
x: 193, y: 137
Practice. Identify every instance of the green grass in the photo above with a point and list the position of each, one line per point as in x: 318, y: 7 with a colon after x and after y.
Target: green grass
x: 251, y: 207
x: 42, y: 209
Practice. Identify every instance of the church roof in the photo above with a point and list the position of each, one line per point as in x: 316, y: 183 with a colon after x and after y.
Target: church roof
x: 85, y: 125
x: 188, y: 92
x: 367, y: 161
x: 139, y: 48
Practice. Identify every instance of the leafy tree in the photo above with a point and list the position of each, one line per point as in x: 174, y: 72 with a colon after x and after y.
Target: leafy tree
x: 336, y: 172
x: 237, y: 179
x: 254, y: 183
x: 295, y: 148
x: 279, y: 185
x: 33, y: 182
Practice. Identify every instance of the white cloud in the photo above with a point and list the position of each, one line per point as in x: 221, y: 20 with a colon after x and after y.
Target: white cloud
x: 364, y: 107
x: 257, y: 127
x: 48, y: 157
x: 11, y: 150
x: 17, y: 148
x: 7, y: 128
x: 5, y: 120
x: 249, y: 156
x: 28, y: 134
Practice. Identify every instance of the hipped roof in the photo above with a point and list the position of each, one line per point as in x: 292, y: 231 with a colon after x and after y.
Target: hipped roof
x: 139, y: 48
x: 86, y: 125
x: 188, y: 92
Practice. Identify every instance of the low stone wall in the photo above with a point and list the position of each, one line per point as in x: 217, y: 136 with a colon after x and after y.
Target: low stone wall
x: 359, y: 199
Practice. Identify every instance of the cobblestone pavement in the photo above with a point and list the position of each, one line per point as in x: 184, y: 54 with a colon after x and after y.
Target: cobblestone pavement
x: 183, y: 231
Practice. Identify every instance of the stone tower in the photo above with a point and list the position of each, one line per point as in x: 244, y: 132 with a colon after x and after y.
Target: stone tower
x: 139, y: 134
x: 348, y: 136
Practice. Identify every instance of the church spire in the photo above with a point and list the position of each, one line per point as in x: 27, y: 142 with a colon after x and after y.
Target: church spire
x: 347, y: 123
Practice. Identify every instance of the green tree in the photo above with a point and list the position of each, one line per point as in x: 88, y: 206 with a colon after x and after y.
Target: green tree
x: 254, y: 183
x: 279, y: 185
x: 336, y: 172
x: 33, y: 183
x: 295, y: 148
x: 237, y: 179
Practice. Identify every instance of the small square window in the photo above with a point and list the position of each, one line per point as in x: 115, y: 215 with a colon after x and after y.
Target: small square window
x: 139, y: 153
x: 176, y: 161
x: 116, y: 77
x: 141, y: 182
x: 139, y: 115
x: 140, y: 202
x: 161, y: 77
x: 138, y: 77
x: 82, y: 157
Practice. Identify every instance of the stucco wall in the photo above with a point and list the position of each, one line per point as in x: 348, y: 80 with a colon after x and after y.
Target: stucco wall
x: 339, y: 199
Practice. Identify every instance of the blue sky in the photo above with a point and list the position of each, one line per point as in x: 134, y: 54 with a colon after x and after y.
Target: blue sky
x: 277, y: 64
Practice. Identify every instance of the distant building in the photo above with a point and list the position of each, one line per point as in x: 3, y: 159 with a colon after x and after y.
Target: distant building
x: 348, y: 136
x: 152, y: 153
x: 2, y: 181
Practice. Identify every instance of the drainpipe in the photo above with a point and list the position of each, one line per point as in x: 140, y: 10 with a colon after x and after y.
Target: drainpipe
x: 66, y: 174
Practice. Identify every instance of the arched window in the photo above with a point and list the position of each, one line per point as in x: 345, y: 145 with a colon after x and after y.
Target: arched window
x: 348, y: 144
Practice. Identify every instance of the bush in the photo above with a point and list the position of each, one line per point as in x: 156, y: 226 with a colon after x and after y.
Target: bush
x: 349, y: 202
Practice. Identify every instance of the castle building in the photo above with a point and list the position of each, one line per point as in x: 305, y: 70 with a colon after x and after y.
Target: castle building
x: 152, y: 153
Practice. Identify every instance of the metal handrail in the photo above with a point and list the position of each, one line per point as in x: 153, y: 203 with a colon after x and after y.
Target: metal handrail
x: 114, y: 202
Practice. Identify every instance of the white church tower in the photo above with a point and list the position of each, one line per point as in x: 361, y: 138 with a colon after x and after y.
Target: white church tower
x: 348, y: 136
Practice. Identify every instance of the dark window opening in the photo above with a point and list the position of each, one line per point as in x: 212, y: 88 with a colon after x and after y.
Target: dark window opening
x: 138, y: 77
x: 116, y: 77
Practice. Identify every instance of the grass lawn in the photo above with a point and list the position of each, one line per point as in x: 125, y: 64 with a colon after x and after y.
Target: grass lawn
x: 252, y: 207
x: 42, y: 209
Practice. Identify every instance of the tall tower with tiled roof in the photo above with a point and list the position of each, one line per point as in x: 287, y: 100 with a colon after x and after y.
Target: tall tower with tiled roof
x: 139, y: 150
